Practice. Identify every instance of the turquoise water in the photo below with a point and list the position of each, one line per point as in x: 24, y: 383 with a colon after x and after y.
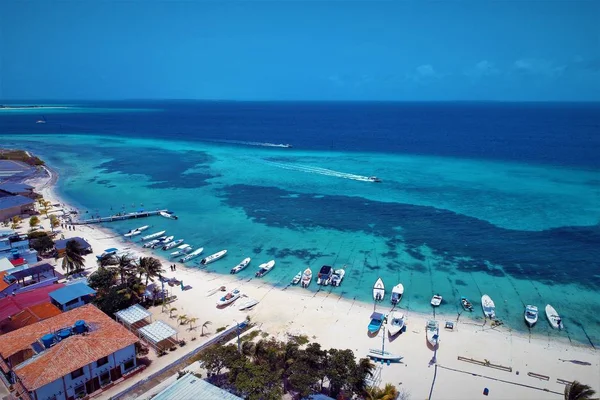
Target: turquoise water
x: 523, y: 234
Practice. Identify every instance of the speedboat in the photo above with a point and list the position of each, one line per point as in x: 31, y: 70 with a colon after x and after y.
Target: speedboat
x: 374, y: 179
x: 488, y: 306
x: 296, y: 278
x: 248, y: 304
x: 531, y: 315
x: 192, y: 255
x: 164, y: 241
x: 172, y: 244
x: 263, y: 269
x: 338, y: 276
x: 132, y: 232
x: 168, y: 214
x: 324, y: 276
x: 397, y: 292
x: 395, y: 323
x: 306, y: 277
x: 376, y: 322
x: 553, y: 317
x: 229, y: 298
x: 153, y: 235
x: 240, y: 266
x: 153, y: 242
x: 142, y: 228
x: 183, y: 249
x: 378, y: 290
x: 436, y: 300
x: 466, y: 304
x: 432, y: 333
x: 213, y: 257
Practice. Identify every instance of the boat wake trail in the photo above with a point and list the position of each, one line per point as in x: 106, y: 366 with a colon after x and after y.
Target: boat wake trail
x: 245, y: 143
x: 318, y: 170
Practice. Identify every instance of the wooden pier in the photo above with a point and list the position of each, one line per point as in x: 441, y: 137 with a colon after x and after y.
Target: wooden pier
x: 118, y: 217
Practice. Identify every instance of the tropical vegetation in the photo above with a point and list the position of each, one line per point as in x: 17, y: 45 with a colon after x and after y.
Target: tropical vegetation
x: 73, y: 261
x: 40, y: 241
x: 579, y: 391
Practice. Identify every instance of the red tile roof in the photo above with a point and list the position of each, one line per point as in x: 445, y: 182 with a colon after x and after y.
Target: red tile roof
x: 104, y: 338
x: 12, y: 305
x: 28, y: 316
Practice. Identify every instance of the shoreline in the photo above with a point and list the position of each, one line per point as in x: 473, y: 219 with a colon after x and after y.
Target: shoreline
x: 339, y: 322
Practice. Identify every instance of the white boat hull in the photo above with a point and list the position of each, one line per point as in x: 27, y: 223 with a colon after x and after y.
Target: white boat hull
x: 213, y: 257
x: 192, y: 255
x: 553, y: 317
x: 378, y: 290
x: 229, y: 298
x: 240, y: 266
x: 488, y: 307
x: 248, y: 304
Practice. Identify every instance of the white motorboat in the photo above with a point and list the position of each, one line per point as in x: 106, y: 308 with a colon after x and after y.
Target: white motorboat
x: 229, y: 298
x: 553, y: 317
x: 192, y: 255
x: 170, y: 245
x: 248, y: 304
x: 436, y: 300
x: 531, y: 315
x: 215, y: 290
x: 142, y: 228
x: 153, y: 242
x: 132, y: 232
x: 374, y: 179
x: 183, y: 249
x: 306, y: 277
x: 432, y: 333
x: 397, y: 292
x: 378, y: 290
x: 324, y: 276
x: 153, y: 235
x: 263, y: 269
x: 296, y: 278
x: 213, y: 257
x: 168, y: 214
x: 488, y: 306
x: 240, y: 266
x: 395, y: 323
x: 338, y: 276
x: 164, y: 241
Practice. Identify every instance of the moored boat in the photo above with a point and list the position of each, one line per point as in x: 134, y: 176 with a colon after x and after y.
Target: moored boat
x: 376, y: 322
x: 164, y: 241
x: 436, y: 300
x: 324, y: 275
x: 170, y: 245
x: 168, y: 214
x: 530, y: 315
x: 553, y: 317
x: 378, y: 290
x: 240, y: 266
x: 152, y: 242
x: 192, y: 255
x: 264, y: 268
x: 432, y: 333
x: 183, y: 249
x: 306, y: 277
x: 229, y: 298
x: 488, y: 306
x: 296, y: 278
x: 213, y: 257
x: 338, y: 276
x: 153, y: 235
x: 395, y: 323
x: 466, y: 304
x: 248, y: 304
x: 397, y: 292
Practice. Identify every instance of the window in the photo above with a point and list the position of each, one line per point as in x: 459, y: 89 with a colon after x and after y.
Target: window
x: 128, y: 365
x: 104, y: 378
x: 77, y: 373
x: 102, y: 361
x: 80, y: 391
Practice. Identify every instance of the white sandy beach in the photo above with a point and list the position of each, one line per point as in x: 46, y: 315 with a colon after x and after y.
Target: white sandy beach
x: 340, y: 323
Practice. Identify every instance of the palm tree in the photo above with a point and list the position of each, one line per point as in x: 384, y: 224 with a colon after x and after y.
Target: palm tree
x: 578, y: 391
x: 123, y: 267
x: 149, y: 266
x: 171, y: 311
x: 192, y: 321
x: 205, y: 325
x: 364, y: 370
x: 107, y: 260
x: 182, y: 319
x: 389, y: 392
x: 72, y: 260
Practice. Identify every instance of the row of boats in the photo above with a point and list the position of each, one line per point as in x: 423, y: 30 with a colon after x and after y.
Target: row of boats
x: 326, y: 276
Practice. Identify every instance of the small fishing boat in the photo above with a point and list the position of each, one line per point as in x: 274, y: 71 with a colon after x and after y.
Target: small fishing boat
x: 142, y: 228
x: 553, y: 317
x: 240, y: 266
x: 153, y: 235
x: 324, y: 275
x: 172, y: 244
x: 164, y: 241
x: 213, y: 257
x: 108, y: 252
x: 374, y: 179
x: 132, y: 232
x: 168, y: 214
x: 192, y: 255
x: 378, y: 290
x: 263, y: 269
x: 183, y: 249
x: 153, y: 242
x: 466, y: 304
x: 530, y: 315
x: 215, y: 290
x: 378, y: 354
x: 229, y: 298
x: 376, y: 322
x: 296, y: 278
x: 488, y: 306
x: 395, y: 323
x: 436, y: 300
x: 248, y: 304
x: 397, y: 292
x: 306, y: 277
x: 432, y: 333
x: 338, y: 276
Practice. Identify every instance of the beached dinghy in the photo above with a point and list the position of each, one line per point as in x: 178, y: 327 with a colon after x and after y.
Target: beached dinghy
x: 229, y: 298
x: 432, y: 333
x: 240, y: 266
x: 488, y: 306
x: 215, y: 290
x: 306, y: 277
x: 324, y: 275
x: 397, y: 292
x: 183, y: 249
x: 248, y: 304
x: 378, y: 290
x: 466, y: 304
x: 170, y: 245
x: 395, y: 323
x: 553, y: 317
x: 153, y: 235
x: 338, y: 276
x: 531, y: 315
x: 296, y: 278
x: 376, y: 322
x: 378, y: 354
x: 436, y: 300
x: 264, y: 268
x: 108, y: 252
x: 192, y: 255
x: 213, y: 257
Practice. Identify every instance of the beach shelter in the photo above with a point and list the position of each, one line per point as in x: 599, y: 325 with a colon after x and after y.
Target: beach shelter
x: 159, y: 335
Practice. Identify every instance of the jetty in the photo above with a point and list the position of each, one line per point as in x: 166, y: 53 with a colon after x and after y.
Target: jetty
x: 119, y: 217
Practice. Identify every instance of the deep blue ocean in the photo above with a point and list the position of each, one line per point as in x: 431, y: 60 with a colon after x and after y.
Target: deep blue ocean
x: 495, y: 198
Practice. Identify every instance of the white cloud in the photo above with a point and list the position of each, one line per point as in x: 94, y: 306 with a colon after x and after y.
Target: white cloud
x: 537, y: 66
x: 424, y: 74
x: 482, y: 69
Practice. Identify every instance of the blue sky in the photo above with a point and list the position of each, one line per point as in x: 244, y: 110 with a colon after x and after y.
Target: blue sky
x: 301, y: 50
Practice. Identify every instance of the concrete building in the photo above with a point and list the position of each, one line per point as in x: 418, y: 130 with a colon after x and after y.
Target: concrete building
x: 72, y: 296
x: 72, y: 355
x: 18, y: 280
x: 190, y: 387
x: 11, y: 206
x: 17, y: 246
x: 14, y: 189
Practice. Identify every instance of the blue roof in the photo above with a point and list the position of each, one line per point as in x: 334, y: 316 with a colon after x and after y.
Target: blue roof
x: 62, y: 243
x: 15, y: 187
x: 71, y: 292
x: 14, y: 201
x: 192, y: 387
